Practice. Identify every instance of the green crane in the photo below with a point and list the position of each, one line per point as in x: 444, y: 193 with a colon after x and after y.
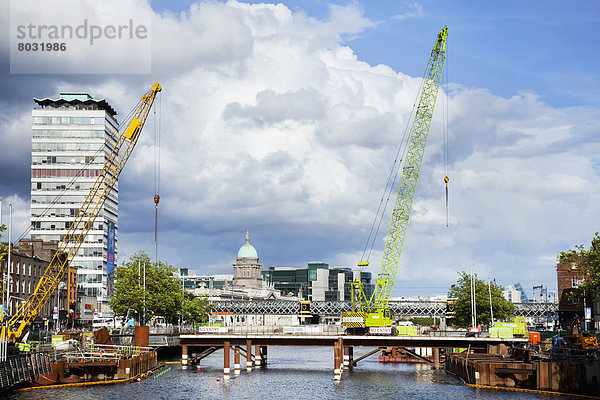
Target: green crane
x: 373, y: 312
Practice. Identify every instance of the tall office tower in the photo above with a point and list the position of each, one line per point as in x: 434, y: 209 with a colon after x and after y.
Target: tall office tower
x: 72, y: 137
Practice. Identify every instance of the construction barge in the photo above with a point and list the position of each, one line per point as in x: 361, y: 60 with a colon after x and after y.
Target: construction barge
x: 566, y: 372
x: 94, y: 361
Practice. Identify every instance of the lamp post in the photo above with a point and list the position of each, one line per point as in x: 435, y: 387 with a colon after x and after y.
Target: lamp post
x: 8, y: 265
x: 491, y: 308
x: 144, y: 318
x: 4, y: 352
x: 182, y: 294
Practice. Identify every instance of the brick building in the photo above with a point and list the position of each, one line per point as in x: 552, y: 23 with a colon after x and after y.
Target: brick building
x: 29, y: 260
x: 570, y: 275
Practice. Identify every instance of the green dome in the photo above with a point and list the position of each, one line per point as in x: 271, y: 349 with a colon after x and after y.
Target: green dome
x: 247, y: 251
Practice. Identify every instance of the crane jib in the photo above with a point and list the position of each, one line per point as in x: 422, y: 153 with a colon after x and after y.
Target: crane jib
x: 18, y: 324
x: 376, y: 305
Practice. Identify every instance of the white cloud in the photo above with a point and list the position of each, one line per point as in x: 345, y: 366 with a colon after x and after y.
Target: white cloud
x: 20, y: 217
x: 415, y: 10
x: 270, y: 122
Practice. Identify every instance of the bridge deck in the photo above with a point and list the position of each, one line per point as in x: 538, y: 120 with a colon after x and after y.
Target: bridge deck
x: 330, y: 340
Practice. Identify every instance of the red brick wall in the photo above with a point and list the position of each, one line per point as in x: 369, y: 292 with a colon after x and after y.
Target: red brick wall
x: 565, y: 272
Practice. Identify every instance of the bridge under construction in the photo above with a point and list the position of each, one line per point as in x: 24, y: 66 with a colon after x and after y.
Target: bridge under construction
x: 255, y: 347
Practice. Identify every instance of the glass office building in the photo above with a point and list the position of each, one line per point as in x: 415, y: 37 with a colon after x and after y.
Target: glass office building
x: 71, y: 139
x: 317, y: 282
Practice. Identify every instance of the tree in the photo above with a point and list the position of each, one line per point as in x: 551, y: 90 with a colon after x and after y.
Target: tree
x: 589, y: 261
x: 461, y: 293
x: 163, y: 295
x: 3, y: 248
x: 196, y: 309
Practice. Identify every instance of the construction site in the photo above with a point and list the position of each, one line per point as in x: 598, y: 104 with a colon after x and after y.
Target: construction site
x: 505, y: 355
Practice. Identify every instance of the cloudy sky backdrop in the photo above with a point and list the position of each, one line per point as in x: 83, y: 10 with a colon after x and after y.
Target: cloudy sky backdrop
x: 284, y: 119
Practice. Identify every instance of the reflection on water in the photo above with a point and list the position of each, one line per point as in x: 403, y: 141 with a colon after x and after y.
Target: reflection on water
x: 292, y: 373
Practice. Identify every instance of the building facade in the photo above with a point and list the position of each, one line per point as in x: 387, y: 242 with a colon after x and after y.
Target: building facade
x: 317, y: 282
x: 570, y: 275
x: 71, y: 139
x: 515, y: 293
x: 29, y: 260
x: 246, y: 270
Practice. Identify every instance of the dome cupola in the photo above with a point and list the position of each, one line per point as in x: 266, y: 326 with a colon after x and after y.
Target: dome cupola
x: 247, y: 250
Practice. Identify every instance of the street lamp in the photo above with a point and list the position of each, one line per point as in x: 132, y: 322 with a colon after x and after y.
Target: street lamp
x: 61, y: 286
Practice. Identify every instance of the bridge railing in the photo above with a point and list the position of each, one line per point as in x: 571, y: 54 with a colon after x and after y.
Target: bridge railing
x: 315, y: 330
x: 23, y: 368
x: 102, y: 353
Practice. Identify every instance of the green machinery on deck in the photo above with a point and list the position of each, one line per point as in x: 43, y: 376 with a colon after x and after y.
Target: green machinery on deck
x: 374, y: 312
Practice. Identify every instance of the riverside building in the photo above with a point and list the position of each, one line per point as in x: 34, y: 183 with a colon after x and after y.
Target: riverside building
x: 71, y: 139
x: 317, y: 282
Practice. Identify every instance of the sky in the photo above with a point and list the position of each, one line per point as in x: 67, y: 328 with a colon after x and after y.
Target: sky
x: 284, y: 119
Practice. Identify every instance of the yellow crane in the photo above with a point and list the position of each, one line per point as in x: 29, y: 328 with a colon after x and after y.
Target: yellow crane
x: 17, y: 325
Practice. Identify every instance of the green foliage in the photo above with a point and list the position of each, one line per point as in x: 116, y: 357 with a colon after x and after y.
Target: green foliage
x: 589, y: 265
x: 3, y: 248
x: 425, y: 321
x: 163, y: 295
x: 461, y: 293
x: 195, y: 309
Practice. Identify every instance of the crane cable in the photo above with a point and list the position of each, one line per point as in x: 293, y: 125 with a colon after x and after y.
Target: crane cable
x: 445, y: 134
x: 390, y: 184
x: 157, y: 124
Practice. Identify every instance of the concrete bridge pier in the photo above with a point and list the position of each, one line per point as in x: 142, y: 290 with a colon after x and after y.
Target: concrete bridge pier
x: 248, y: 355
x: 257, y: 357
x: 184, y: 357
x: 436, y: 358
x: 338, y: 350
x: 263, y: 356
x: 348, y: 357
x: 226, y: 359
x: 236, y: 360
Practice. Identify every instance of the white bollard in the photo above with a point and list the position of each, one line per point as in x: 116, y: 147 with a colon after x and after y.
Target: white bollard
x: 184, y: 361
x: 337, y: 374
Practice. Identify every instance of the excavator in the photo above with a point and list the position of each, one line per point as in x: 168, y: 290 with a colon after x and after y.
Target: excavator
x: 576, y: 339
x: 17, y: 325
x: 372, y: 315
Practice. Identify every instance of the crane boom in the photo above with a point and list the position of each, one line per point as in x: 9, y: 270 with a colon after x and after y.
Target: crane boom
x: 410, y: 173
x: 17, y: 325
x: 373, y: 312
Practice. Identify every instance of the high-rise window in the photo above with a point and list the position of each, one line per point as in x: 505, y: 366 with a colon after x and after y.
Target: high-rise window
x: 71, y: 138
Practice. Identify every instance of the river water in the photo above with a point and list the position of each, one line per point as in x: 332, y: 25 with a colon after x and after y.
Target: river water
x: 292, y: 373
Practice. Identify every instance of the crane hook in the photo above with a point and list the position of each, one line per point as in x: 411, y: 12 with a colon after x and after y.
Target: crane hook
x: 446, y: 180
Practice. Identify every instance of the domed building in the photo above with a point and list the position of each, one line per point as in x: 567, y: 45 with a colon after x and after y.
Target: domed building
x: 246, y: 270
